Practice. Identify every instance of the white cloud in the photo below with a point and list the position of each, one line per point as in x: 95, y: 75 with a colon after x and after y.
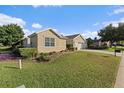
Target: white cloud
x: 117, y: 10
x: 36, y: 25
x: 63, y: 34
x: 91, y: 34
x: 37, y: 6
x: 54, y: 29
x: 5, y: 19
x: 96, y: 24
x: 27, y: 32
x: 114, y: 22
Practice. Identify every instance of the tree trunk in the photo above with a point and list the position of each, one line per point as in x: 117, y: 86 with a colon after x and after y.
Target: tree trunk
x: 110, y: 44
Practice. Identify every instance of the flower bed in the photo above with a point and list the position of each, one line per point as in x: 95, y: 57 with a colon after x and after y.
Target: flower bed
x: 7, y: 57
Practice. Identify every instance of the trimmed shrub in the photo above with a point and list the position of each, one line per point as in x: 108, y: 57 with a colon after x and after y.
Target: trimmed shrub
x: 43, y: 57
x: 72, y: 49
x: 69, y: 46
x: 51, y: 53
x: 28, y: 52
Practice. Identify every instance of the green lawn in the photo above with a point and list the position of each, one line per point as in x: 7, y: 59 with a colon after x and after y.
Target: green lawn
x: 112, y: 49
x: 78, y: 69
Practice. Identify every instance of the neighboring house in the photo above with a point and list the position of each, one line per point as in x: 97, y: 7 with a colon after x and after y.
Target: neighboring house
x: 97, y: 43
x: 26, y: 42
x: 46, y: 41
x: 76, y: 41
x: 100, y: 43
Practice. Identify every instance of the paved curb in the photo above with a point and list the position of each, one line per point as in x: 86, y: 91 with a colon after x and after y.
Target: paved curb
x: 120, y: 75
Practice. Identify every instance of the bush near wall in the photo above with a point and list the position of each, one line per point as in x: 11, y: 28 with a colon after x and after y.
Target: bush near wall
x: 28, y: 52
x: 98, y: 47
x: 45, y: 57
x: 71, y: 48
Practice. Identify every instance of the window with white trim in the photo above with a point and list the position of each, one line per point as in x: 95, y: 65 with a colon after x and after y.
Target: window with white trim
x: 49, y: 41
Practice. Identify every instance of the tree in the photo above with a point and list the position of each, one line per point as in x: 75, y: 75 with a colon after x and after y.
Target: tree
x: 89, y: 42
x: 121, y: 31
x: 9, y: 34
x: 109, y: 33
x: 95, y: 39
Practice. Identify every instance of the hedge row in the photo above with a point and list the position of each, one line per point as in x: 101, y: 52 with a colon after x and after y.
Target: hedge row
x: 28, y: 52
x: 98, y: 47
x: 25, y: 52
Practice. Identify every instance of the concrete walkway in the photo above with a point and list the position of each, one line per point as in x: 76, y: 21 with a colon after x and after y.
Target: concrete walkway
x: 102, y: 51
x: 120, y: 76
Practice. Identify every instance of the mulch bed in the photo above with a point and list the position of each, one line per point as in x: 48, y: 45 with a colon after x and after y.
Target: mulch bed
x: 7, y: 57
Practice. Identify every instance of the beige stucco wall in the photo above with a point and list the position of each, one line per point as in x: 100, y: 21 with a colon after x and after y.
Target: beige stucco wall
x: 77, y: 42
x: 60, y: 44
x: 79, y: 39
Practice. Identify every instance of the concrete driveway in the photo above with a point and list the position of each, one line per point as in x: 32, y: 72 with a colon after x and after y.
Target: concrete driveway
x: 102, y: 51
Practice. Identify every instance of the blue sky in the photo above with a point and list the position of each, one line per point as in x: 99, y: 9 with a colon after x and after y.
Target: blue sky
x: 86, y: 20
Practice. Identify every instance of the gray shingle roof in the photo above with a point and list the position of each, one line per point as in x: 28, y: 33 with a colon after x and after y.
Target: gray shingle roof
x: 72, y: 36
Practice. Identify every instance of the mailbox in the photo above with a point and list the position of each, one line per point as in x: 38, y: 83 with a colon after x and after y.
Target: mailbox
x: 117, y: 50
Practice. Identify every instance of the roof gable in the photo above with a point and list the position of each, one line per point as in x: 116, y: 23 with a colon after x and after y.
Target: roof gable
x: 51, y: 30
x: 74, y: 36
x: 80, y: 37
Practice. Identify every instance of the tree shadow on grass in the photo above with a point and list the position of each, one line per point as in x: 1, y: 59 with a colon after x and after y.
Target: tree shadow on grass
x: 105, y: 56
x: 11, y: 67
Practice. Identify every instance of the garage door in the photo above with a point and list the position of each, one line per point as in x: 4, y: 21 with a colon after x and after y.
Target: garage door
x: 79, y: 46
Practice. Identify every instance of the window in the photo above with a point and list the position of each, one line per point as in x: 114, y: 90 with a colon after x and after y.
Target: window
x: 49, y: 41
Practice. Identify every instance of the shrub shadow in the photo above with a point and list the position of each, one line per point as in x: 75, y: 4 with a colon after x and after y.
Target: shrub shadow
x: 105, y: 56
x: 11, y: 67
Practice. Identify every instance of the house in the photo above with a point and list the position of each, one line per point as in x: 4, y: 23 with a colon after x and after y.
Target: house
x: 100, y: 43
x: 45, y: 41
x: 76, y: 41
x: 26, y: 42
